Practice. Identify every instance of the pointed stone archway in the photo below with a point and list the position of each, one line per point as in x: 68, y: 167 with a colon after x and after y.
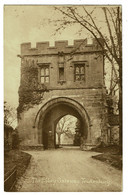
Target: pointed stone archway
x: 51, y: 112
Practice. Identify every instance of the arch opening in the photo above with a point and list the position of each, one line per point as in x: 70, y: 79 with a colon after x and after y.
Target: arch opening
x: 68, y: 131
x: 50, y: 117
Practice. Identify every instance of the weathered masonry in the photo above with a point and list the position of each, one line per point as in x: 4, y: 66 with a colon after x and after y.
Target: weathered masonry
x: 61, y: 80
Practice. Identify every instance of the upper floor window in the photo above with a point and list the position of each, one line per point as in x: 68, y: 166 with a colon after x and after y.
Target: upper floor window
x: 61, y: 74
x: 44, y: 76
x: 79, y: 72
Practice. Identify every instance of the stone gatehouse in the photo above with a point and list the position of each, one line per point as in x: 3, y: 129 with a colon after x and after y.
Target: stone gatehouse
x: 56, y: 81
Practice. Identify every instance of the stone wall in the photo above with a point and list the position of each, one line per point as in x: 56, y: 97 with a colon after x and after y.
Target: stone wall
x: 33, y: 95
x: 90, y: 99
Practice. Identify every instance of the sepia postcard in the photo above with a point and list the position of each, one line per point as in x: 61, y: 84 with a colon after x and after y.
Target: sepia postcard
x: 63, y: 98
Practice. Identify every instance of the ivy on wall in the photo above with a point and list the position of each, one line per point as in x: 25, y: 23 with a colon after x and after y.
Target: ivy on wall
x: 30, y: 90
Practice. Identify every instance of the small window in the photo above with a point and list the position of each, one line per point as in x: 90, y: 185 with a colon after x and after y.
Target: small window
x: 61, y: 74
x: 44, y: 77
x: 79, y: 72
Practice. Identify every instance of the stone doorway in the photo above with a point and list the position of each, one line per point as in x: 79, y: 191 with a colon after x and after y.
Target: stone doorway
x: 50, y: 116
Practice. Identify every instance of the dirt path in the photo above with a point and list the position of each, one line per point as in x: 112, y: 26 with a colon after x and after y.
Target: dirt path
x: 68, y: 170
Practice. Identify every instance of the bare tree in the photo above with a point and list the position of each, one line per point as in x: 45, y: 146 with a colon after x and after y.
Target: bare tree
x: 111, y: 21
x: 10, y: 116
x: 64, y: 126
x: 104, y: 23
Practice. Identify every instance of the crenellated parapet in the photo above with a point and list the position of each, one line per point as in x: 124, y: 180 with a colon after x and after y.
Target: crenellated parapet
x: 61, y: 46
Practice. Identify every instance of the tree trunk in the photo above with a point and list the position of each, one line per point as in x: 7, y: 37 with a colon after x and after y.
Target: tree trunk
x: 120, y: 122
x: 120, y: 108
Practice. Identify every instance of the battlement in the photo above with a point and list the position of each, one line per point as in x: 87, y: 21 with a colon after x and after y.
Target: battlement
x: 80, y: 45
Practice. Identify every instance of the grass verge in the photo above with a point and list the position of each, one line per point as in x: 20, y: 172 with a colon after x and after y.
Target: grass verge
x: 18, y: 158
x: 110, y: 155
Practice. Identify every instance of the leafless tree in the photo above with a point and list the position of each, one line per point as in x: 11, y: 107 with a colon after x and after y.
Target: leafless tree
x: 64, y: 126
x: 10, y: 116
